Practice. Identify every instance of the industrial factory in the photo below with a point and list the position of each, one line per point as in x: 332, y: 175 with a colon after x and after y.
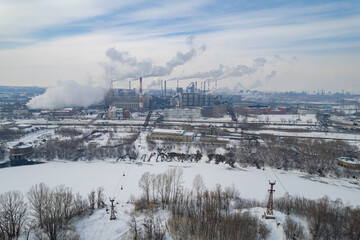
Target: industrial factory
x: 181, y: 103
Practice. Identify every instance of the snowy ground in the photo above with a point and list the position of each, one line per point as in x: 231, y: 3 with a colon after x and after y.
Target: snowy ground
x: 327, y: 135
x: 251, y: 182
x: 98, y: 225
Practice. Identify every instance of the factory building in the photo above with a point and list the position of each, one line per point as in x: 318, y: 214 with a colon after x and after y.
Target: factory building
x: 64, y: 112
x: 6, y: 125
x: 197, y: 100
x: 117, y: 113
x: 182, y: 113
x: 20, y: 151
x: 171, y: 135
x: 127, y: 99
x: 213, y: 111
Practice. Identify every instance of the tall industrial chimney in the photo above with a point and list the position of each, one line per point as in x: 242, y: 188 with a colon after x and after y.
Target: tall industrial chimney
x: 209, y: 85
x: 196, y: 86
x: 200, y: 86
x: 164, y: 89
x: 130, y: 85
x: 161, y: 83
x: 204, y: 86
x: 141, y: 103
x: 216, y: 84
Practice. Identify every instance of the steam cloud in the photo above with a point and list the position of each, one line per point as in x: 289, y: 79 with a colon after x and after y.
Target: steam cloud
x: 123, y: 66
x: 67, y: 94
x: 155, y: 83
x: 270, y: 76
x: 223, y: 72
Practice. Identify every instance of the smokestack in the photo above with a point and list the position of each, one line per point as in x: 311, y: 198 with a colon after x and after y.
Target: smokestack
x: 196, y: 86
x: 216, y: 84
x: 130, y: 85
x: 141, y: 103
x: 161, y: 87
x: 204, y: 86
x: 209, y: 86
x: 164, y: 89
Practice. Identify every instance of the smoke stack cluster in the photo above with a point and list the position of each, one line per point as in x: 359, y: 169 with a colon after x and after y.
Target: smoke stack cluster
x: 141, y: 103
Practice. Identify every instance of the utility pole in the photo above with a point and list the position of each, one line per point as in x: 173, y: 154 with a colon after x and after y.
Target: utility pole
x: 112, y: 215
x: 269, y: 209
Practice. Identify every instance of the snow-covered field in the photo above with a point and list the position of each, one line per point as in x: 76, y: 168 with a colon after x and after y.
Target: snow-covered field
x: 252, y: 183
x: 327, y: 135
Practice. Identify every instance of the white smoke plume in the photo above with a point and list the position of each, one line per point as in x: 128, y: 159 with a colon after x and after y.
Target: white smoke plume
x: 123, y: 66
x: 223, y: 72
x: 67, y: 94
x: 255, y: 85
x: 154, y: 84
x: 270, y: 76
x: 259, y: 83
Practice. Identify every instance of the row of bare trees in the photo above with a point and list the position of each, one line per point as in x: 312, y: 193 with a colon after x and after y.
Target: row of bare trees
x: 200, y: 213
x: 2, y: 150
x: 326, y: 219
x: 74, y: 149
x: 196, y: 214
x: 314, y: 156
x: 47, y: 211
x: 161, y: 188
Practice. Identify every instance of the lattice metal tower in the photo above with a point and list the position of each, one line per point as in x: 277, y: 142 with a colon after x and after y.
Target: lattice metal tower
x: 112, y: 215
x: 269, y: 209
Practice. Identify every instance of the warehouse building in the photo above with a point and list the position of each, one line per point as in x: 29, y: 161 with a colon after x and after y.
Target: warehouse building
x: 182, y: 113
x: 171, y: 135
x: 20, y: 151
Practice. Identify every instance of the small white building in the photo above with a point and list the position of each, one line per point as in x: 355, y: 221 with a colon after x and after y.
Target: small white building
x: 182, y: 113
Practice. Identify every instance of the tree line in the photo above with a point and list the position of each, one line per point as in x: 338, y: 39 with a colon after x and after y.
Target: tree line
x: 198, y: 213
x: 220, y: 213
x: 326, y: 219
x: 314, y: 156
x: 46, y: 212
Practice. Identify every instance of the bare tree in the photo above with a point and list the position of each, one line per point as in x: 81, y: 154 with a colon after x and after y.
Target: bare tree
x: 58, y: 211
x: 13, y: 214
x: 100, y: 197
x: 91, y: 198
x: 38, y: 196
x: 145, y: 184
x: 293, y: 229
x: 198, y: 184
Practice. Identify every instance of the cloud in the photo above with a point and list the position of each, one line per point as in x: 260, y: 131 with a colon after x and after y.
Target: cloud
x: 67, y: 94
x: 225, y: 72
x: 270, y: 76
x: 155, y: 83
x: 255, y: 84
x: 123, y: 66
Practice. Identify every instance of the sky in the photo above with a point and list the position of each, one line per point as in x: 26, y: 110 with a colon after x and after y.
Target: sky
x: 258, y: 45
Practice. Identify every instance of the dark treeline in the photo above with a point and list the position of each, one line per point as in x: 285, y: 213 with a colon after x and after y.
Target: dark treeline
x: 46, y: 213
x: 75, y: 149
x: 196, y: 214
x: 2, y: 150
x: 315, y: 156
x: 326, y: 219
x: 200, y: 213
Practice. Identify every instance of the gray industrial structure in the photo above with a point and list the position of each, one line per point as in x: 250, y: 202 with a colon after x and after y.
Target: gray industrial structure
x: 189, y: 98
